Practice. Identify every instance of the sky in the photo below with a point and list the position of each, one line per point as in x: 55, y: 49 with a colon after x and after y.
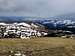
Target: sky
x: 36, y: 8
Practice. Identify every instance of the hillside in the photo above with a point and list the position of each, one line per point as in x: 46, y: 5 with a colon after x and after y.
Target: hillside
x: 38, y: 47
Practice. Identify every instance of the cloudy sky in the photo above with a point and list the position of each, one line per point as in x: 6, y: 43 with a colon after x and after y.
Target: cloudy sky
x: 39, y: 8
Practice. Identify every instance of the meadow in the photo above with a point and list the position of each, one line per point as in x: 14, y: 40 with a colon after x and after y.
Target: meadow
x: 47, y: 46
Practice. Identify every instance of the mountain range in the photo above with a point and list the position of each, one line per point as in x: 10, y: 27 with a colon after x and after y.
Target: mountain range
x: 10, y: 19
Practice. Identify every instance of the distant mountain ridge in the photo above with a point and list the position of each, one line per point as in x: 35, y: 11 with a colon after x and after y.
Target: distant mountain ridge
x: 11, y: 19
x: 65, y: 17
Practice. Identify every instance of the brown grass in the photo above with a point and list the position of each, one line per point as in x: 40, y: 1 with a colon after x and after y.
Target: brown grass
x: 39, y: 46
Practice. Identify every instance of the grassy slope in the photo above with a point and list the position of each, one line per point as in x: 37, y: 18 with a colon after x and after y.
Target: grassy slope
x: 39, y: 46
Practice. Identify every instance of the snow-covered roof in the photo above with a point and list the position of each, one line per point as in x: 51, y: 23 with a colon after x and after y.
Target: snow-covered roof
x: 34, y: 25
x: 2, y: 24
x: 25, y: 24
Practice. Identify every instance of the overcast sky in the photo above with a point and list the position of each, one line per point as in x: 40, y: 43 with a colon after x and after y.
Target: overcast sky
x: 39, y: 8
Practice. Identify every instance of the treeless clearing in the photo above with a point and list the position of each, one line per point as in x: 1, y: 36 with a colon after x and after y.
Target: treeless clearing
x: 39, y: 46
